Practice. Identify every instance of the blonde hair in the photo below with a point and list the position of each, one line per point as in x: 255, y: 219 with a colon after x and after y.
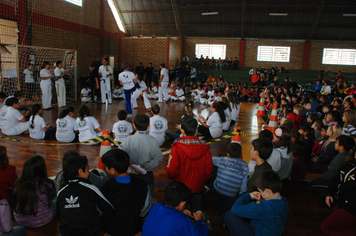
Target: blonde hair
x: 337, y: 131
x: 298, y: 108
x: 351, y: 118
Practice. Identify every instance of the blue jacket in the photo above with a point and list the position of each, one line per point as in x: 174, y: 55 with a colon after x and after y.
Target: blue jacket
x: 164, y: 220
x: 267, y: 218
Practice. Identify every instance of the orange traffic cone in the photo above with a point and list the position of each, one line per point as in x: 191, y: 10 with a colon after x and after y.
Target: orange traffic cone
x: 237, y: 137
x: 172, y: 89
x: 105, y: 147
x: 227, y: 89
x: 261, y: 107
x: 273, y: 121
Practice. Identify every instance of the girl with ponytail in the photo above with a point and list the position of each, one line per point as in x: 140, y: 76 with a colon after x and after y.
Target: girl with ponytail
x: 37, y: 126
x: 213, y: 126
x: 173, y: 135
x: 67, y: 127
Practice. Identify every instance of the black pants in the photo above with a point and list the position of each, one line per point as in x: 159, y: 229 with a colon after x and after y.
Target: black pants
x: 204, y: 131
x: 148, y: 178
x: 94, y: 91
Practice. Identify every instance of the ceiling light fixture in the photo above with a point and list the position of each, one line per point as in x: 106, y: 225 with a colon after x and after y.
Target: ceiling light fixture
x: 209, y: 13
x: 348, y: 14
x: 278, y: 14
x: 117, y: 17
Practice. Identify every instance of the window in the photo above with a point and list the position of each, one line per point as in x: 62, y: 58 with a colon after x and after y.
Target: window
x: 76, y: 2
x: 211, y: 50
x: 273, y: 53
x: 339, y: 56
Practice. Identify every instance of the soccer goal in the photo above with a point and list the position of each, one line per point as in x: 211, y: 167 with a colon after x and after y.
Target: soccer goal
x: 17, y: 58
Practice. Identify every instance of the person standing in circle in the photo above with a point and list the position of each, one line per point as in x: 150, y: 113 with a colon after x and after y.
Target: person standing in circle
x: 129, y: 81
x: 105, y: 71
x: 59, y: 72
x: 163, y: 84
x: 46, y: 83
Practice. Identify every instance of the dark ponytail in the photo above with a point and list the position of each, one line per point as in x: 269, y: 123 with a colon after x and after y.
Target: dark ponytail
x: 220, y: 111
x: 84, y: 111
x: 35, y: 109
x: 63, y: 113
x: 44, y: 64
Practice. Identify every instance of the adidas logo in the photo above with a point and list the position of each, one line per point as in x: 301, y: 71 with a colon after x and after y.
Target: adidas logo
x: 71, y: 202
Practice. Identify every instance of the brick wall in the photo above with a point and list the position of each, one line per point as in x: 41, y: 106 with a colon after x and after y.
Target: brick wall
x: 296, y: 59
x: 232, y: 46
x: 316, y: 54
x: 175, y: 52
x: 145, y: 50
x: 88, y: 14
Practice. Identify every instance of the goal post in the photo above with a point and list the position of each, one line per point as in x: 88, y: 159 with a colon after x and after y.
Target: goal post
x: 14, y: 64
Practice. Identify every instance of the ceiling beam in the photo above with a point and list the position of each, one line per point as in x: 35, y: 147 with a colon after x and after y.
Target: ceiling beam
x: 316, y: 19
x: 176, y: 17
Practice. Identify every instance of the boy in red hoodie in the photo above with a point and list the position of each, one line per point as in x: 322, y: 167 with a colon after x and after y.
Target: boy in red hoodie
x: 190, y: 161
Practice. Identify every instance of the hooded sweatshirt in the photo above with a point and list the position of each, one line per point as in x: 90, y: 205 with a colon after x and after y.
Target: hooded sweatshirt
x: 267, y: 217
x: 190, y: 162
x: 286, y: 163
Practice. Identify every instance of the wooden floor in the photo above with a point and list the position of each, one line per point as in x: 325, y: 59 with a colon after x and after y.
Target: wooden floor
x: 307, y: 208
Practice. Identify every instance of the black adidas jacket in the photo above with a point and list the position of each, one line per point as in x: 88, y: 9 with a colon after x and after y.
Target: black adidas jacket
x: 77, y: 204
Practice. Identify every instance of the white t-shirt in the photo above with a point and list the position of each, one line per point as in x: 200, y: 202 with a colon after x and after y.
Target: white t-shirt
x: 158, y: 127
x: 10, y: 117
x: 85, y: 92
x: 179, y: 92
x: 58, y: 72
x: 28, y: 76
x: 215, y: 125
x: 122, y: 130
x: 127, y: 79
x: 87, y: 128
x: 45, y: 73
x: 153, y: 90
x: 65, y: 129
x: 143, y: 85
x: 165, y: 74
x: 233, y: 111
x: 37, y: 131
x: 226, y: 124
x: 104, y: 71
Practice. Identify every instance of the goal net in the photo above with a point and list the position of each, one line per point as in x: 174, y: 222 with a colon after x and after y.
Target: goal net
x: 21, y: 57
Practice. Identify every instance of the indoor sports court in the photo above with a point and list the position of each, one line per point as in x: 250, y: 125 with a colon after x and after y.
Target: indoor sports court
x: 297, y: 37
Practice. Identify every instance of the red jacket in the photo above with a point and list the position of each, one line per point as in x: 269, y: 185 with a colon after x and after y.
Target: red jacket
x: 7, y: 180
x: 190, y: 162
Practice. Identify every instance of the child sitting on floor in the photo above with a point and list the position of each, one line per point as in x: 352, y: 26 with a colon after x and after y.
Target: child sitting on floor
x: 122, y: 129
x: 130, y: 196
x: 158, y: 125
x: 268, y: 215
x: 172, y: 218
x: 229, y: 176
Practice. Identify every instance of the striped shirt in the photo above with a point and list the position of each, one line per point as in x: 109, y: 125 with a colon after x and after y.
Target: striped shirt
x: 231, y: 177
x: 349, y: 130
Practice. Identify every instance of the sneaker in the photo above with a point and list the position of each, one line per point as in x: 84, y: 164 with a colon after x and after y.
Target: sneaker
x: 206, y: 189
